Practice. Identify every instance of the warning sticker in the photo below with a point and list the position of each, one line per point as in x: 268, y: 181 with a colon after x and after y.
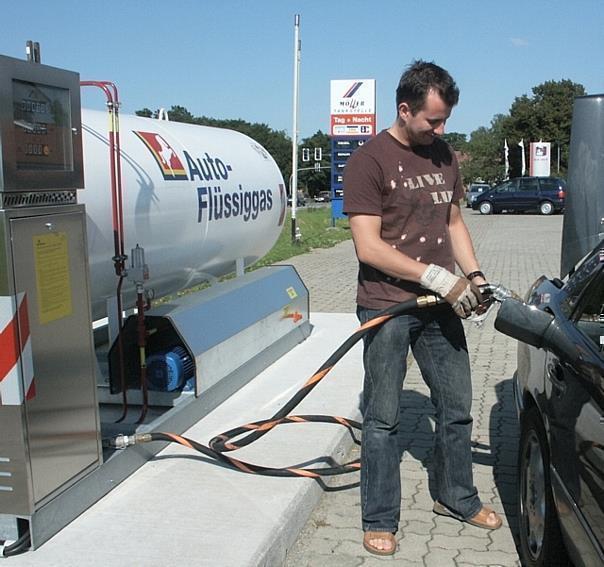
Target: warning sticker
x: 53, y: 283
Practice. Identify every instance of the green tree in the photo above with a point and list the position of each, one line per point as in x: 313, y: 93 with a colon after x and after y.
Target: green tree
x: 146, y: 112
x: 485, y: 153
x: 315, y: 181
x: 546, y: 116
x: 456, y: 140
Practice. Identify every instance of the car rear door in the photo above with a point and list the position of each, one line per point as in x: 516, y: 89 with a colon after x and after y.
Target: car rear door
x: 527, y: 196
x: 576, y: 399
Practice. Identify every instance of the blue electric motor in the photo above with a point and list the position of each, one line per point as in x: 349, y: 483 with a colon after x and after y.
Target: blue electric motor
x: 169, y: 371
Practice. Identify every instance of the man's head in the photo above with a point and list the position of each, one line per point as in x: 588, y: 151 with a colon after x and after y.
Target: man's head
x: 420, y: 78
x: 425, y: 97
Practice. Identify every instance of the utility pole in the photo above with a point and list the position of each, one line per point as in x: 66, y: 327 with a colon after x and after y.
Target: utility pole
x: 294, y: 185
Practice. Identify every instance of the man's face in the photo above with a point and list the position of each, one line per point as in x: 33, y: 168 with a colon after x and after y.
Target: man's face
x: 421, y: 128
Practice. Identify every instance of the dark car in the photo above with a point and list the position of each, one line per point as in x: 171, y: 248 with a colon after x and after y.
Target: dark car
x: 300, y: 200
x: 323, y: 197
x: 474, y: 190
x: 559, y: 391
x: 523, y: 194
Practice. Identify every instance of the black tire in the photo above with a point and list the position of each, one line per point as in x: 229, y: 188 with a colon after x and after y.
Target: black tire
x: 541, y: 542
x: 485, y: 208
x: 546, y: 208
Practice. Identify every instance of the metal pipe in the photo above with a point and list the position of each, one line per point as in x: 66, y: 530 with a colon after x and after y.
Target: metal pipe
x: 119, y: 258
x: 142, y: 343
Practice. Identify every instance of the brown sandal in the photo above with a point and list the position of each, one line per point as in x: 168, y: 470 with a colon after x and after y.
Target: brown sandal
x: 385, y: 536
x: 480, y: 520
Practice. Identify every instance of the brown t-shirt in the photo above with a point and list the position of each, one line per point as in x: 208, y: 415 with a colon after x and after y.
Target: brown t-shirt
x: 411, y: 188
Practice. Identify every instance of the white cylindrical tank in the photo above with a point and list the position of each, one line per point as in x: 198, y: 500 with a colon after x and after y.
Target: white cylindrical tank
x: 196, y: 198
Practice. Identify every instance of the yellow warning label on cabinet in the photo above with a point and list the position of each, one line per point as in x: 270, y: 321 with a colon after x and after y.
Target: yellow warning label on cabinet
x: 51, y: 259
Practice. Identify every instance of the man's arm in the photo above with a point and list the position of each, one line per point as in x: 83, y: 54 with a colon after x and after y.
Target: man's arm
x: 463, y: 250
x: 372, y: 250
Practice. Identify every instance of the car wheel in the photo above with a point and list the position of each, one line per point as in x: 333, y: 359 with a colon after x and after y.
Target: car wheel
x: 546, y: 208
x: 485, y: 208
x: 540, y: 538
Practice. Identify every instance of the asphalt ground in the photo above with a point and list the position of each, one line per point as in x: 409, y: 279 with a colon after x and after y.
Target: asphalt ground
x: 513, y: 250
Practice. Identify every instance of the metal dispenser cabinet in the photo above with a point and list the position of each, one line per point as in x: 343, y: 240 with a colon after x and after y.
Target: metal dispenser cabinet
x: 48, y: 411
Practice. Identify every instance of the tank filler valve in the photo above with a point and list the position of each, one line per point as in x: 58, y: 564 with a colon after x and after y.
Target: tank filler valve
x: 139, y: 271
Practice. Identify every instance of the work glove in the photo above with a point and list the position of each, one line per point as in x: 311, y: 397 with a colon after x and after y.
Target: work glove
x: 460, y: 293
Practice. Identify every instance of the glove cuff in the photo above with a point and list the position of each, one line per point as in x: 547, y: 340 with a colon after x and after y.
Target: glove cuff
x: 438, y: 279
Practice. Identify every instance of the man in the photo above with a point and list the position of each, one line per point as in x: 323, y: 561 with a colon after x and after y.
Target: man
x: 401, y: 193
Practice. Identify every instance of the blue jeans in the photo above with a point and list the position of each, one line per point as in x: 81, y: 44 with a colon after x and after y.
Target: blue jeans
x: 438, y: 343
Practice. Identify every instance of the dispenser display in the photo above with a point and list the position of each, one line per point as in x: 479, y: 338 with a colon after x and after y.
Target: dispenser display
x: 42, y: 120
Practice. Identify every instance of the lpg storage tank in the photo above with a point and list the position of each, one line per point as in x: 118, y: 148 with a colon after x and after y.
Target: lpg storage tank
x: 198, y: 199
x: 201, y: 202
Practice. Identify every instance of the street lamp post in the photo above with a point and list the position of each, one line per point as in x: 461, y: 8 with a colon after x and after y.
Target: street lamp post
x: 294, y: 184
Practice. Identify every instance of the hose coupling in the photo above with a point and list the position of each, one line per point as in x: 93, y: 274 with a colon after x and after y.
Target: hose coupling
x: 427, y: 301
x: 123, y: 441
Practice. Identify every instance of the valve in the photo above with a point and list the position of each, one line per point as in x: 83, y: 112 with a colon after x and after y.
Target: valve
x: 138, y: 271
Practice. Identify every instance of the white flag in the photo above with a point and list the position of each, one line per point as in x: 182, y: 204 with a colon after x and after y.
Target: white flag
x: 521, y: 144
x: 506, y: 152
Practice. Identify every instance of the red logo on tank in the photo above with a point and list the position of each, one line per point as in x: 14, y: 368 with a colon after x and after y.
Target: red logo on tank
x: 169, y: 163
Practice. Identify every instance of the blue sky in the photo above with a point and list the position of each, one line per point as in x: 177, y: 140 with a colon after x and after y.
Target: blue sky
x: 234, y: 58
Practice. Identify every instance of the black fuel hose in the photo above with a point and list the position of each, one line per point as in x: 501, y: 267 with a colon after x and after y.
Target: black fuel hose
x: 20, y: 545
x: 224, y: 442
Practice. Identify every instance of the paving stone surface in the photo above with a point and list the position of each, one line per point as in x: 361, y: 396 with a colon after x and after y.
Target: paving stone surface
x: 513, y: 250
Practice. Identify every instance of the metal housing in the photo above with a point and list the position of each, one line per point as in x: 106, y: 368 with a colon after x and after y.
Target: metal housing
x: 584, y: 211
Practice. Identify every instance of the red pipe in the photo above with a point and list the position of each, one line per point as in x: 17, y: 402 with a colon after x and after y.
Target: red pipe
x: 119, y: 257
x: 115, y: 171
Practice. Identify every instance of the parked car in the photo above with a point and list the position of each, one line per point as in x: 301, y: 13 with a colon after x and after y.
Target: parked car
x: 475, y: 189
x: 323, y: 197
x: 300, y: 200
x: 523, y: 194
x: 559, y: 392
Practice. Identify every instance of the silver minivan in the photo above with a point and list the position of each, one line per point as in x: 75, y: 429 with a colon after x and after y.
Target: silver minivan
x: 474, y: 190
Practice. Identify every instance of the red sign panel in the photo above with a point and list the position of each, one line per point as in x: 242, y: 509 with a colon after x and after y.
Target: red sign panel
x: 352, y: 125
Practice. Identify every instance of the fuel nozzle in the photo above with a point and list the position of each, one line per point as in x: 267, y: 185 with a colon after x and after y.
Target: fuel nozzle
x: 499, y: 292
x: 492, y: 294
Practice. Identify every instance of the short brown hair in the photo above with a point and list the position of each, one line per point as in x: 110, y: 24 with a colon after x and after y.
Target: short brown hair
x: 420, y: 78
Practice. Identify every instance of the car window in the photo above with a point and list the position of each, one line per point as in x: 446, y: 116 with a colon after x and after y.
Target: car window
x: 579, y: 281
x: 507, y: 187
x: 531, y: 185
x: 590, y: 311
x: 551, y: 184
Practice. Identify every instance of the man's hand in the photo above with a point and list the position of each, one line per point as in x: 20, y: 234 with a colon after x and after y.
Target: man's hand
x: 463, y: 295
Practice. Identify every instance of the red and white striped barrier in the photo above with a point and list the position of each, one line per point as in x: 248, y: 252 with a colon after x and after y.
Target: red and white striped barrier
x: 16, y: 362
